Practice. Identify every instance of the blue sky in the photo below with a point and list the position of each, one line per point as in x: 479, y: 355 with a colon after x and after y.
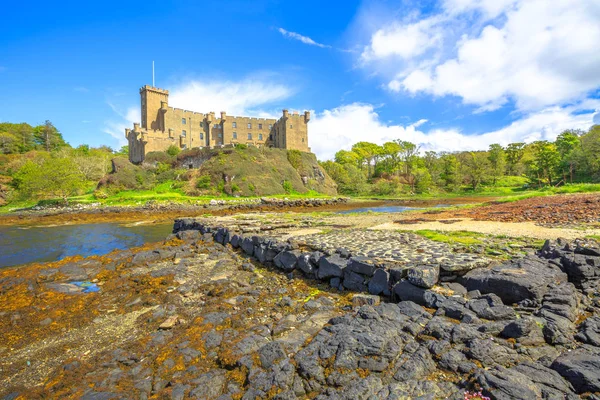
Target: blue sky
x: 449, y: 74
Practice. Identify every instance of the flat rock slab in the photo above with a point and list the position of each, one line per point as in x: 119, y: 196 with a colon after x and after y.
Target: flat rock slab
x: 403, y: 248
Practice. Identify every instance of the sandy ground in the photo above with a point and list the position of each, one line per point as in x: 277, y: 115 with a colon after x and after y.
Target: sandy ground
x: 514, y: 229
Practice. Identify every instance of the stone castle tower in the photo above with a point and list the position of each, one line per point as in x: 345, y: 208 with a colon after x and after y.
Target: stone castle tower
x: 163, y: 126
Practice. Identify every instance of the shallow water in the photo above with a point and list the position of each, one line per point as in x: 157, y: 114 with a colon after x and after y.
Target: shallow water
x: 27, y: 244
x: 388, y: 209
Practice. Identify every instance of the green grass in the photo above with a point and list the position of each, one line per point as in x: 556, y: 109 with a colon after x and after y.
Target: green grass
x: 460, y: 237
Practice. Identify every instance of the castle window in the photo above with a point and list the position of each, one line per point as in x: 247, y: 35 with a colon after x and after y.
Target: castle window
x: 235, y: 135
x: 183, y: 133
x: 249, y: 136
x: 270, y: 126
x: 302, y: 140
x: 183, y: 146
x: 202, y: 136
x: 235, y: 124
x: 260, y: 136
x: 220, y: 135
x: 201, y: 124
x: 259, y: 126
x: 291, y: 126
x: 183, y: 121
x: 216, y: 126
x: 249, y: 126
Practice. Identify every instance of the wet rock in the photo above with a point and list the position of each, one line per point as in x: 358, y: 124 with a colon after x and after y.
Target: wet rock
x: 517, y: 280
x: 425, y: 276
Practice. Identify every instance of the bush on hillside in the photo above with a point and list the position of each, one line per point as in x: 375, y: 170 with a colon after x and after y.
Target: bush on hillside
x: 173, y: 150
x: 126, y: 175
x: 159, y: 157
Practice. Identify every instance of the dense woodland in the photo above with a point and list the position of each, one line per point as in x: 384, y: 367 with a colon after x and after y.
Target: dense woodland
x: 401, y: 167
x: 36, y: 163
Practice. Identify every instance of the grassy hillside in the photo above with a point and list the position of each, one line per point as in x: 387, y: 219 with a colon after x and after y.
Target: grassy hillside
x: 250, y: 171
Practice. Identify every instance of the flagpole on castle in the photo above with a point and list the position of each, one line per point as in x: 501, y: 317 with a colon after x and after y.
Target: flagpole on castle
x: 152, y: 73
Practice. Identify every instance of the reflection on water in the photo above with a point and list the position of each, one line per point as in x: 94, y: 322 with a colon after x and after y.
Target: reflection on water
x: 23, y: 245
x: 390, y: 209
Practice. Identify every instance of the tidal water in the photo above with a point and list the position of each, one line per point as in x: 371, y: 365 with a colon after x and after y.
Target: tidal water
x: 27, y: 244
x: 388, y: 209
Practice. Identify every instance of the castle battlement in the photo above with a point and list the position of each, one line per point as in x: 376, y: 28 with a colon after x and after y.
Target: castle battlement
x: 163, y: 126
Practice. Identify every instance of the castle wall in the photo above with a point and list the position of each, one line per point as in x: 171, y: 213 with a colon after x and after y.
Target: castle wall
x: 163, y: 126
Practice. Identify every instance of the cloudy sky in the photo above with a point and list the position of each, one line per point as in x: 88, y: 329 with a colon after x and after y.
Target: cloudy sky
x: 448, y: 74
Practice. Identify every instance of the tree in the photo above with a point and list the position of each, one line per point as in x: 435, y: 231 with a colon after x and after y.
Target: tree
x: 566, y: 143
x: 367, y: 153
x: 52, y: 177
x: 497, y: 160
x: 450, y: 171
x: 391, y: 153
x: 545, y: 161
x: 514, y: 155
x: 48, y: 137
x: 477, y: 168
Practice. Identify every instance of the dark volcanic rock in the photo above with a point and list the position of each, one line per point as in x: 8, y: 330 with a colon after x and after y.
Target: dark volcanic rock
x: 589, y: 331
x: 425, y: 276
x: 331, y: 266
x: 581, y: 368
x: 380, y: 283
x: 517, y: 280
x: 287, y: 260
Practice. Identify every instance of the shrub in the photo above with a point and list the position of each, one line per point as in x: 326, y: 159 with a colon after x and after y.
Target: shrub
x: 221, y: 187
x: 234, y: 188
x: 159, y: 157
x: 241, y: 146
x: 288, y: 187
x: 251, y: 187
x: 173, y: 150
x: 295, y: 158
x: 203, y: 182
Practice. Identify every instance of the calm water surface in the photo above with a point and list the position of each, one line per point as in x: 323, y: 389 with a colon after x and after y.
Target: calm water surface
x: 24, y: 244
x: 389, y: 209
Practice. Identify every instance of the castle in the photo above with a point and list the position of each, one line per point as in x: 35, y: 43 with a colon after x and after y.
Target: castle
x: 163, y: 126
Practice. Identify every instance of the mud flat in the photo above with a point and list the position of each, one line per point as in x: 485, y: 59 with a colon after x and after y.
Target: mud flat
x: 240, y: 308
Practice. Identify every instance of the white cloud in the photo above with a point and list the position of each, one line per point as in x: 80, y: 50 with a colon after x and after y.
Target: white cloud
x: 488, y: 52
x: 341, y: 127
x: 406, y: 41
x: 116, y: 127
x: 246, y: 97
x: 301, y: 38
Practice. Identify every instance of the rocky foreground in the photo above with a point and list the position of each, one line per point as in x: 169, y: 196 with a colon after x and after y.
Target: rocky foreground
x: 245, y: 312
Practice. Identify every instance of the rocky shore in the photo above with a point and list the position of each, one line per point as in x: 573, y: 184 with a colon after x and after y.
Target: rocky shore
x: 246, y: 312
x: 97, y: 212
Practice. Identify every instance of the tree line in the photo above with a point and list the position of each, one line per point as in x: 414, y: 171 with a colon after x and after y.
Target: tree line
x: 403, y: 167
x: 36, y: 162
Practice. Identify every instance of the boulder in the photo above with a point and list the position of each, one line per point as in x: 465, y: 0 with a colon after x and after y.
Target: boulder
x: 380, y: 283
x: 354, y: 281
x: 517, y: 280
x: 589, y: 331
x: 362, y: 265
x: 425, y: 276
x: 331, y: 266
x: 581, y: 368
x: 305, y: 264
x: 287, y: 260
